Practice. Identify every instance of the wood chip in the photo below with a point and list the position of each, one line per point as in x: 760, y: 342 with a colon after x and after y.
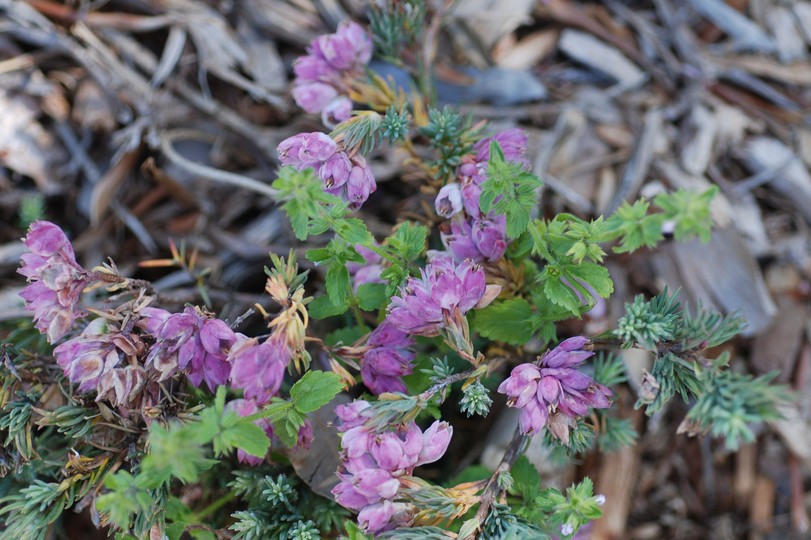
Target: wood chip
x: 777, y: 347
x: 527, y: 52
x: 698, y: 151
x: 787, y: 37
x: 601, y: 57
x: 791, y: 178
x: 743, y: 30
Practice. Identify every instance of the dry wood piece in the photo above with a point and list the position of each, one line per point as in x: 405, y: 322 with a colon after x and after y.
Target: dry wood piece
x: 601, y: 57
x: 761, y: 508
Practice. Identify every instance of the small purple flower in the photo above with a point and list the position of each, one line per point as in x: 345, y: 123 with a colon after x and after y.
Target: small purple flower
x: 480, y: 240
x: 56, y: 280
x: 361, y: 183
x: 310, y: 69
x: 444, y: 287
x: 388, y: 359
x: 375, y: 517
x: 247, y: 407
x: 86, y: 358
x: 120, y: 386
x: 338, y: 110
x: 347, y: 49
x: 342, y: 176
x: 372, y: 462
x: 193, y: 342
x: 555, y: 385
x: 449, y: 200
x: 258, y: 368
x: 435, y: 441
x: 314, y: 96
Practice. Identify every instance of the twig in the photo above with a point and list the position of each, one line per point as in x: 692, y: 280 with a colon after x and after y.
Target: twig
x: 169, y: 137
x: 492, y: 488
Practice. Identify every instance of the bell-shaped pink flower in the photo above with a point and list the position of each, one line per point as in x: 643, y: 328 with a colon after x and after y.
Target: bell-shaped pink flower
x: 56, y: 280
x: 314, y: 96
x: 258, y: 368
x: 375, y: 517
x: 449, y: 200
x: 435, y: 441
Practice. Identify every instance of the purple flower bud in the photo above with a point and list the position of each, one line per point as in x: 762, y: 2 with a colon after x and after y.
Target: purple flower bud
x: 290, y: 148
x: 449, y: 200
x: 258, y: 369
x: 360, y: 184
x: 317, y: 147
x: 311, y: 68
x: 435, y: 441
x: 375, y: 517
x: 313, y: 97
x: 471, y: 193
x: 388, y: 451
x: 376, y: 484
x: 335, y: 170
x: 490, y: 237
x: 352, y: 415
x: 346, y: 49
x: 459, y: 242
x: 388, y: 360
x: 338, y: 110
x: 347, y: 496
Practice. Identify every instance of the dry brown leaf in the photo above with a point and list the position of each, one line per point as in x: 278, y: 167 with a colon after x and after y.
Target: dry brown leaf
x: 25, y: 146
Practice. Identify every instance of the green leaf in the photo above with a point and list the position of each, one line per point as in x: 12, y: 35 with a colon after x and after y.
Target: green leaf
x: 508, y: 321
x: 315, y: 389
x: 527, y: 479
x: 353, y: 231
x: 372, y: 296
x: 690, y: 211
x: 337, y: 281
x: 322, y: 307
x: 594, y: 275
x: 561, y: 294
x: 245, y: 435
x: 347, y: 336
x: 408, y: 240
x: 635, y: 227
x: 514, y: 188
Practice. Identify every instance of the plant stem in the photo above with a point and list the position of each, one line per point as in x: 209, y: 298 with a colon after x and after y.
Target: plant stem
x: 491, y: 490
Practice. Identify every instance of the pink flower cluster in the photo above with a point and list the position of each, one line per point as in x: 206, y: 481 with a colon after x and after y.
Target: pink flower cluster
x: 190, y: 341
x: 445, y: 286
x: 555, y: 385
x: 92, y: 359
x: 387, y: 359
x: 258, y: 368
x: 56, y: 280
x: 347, y: 177
x: 372, y: 462
x: 471, y: 234
x: 320, y: 75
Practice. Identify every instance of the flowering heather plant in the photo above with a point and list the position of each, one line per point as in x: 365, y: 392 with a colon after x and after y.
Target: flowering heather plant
x: 453, y: 303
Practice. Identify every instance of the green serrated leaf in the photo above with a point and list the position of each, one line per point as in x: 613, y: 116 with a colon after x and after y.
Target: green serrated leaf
x: 508, y: 321
x: 321, y: 308
x: 527, y: 479
x: 315, y: 390
x: 372, y: 296
x: 337, y: 282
